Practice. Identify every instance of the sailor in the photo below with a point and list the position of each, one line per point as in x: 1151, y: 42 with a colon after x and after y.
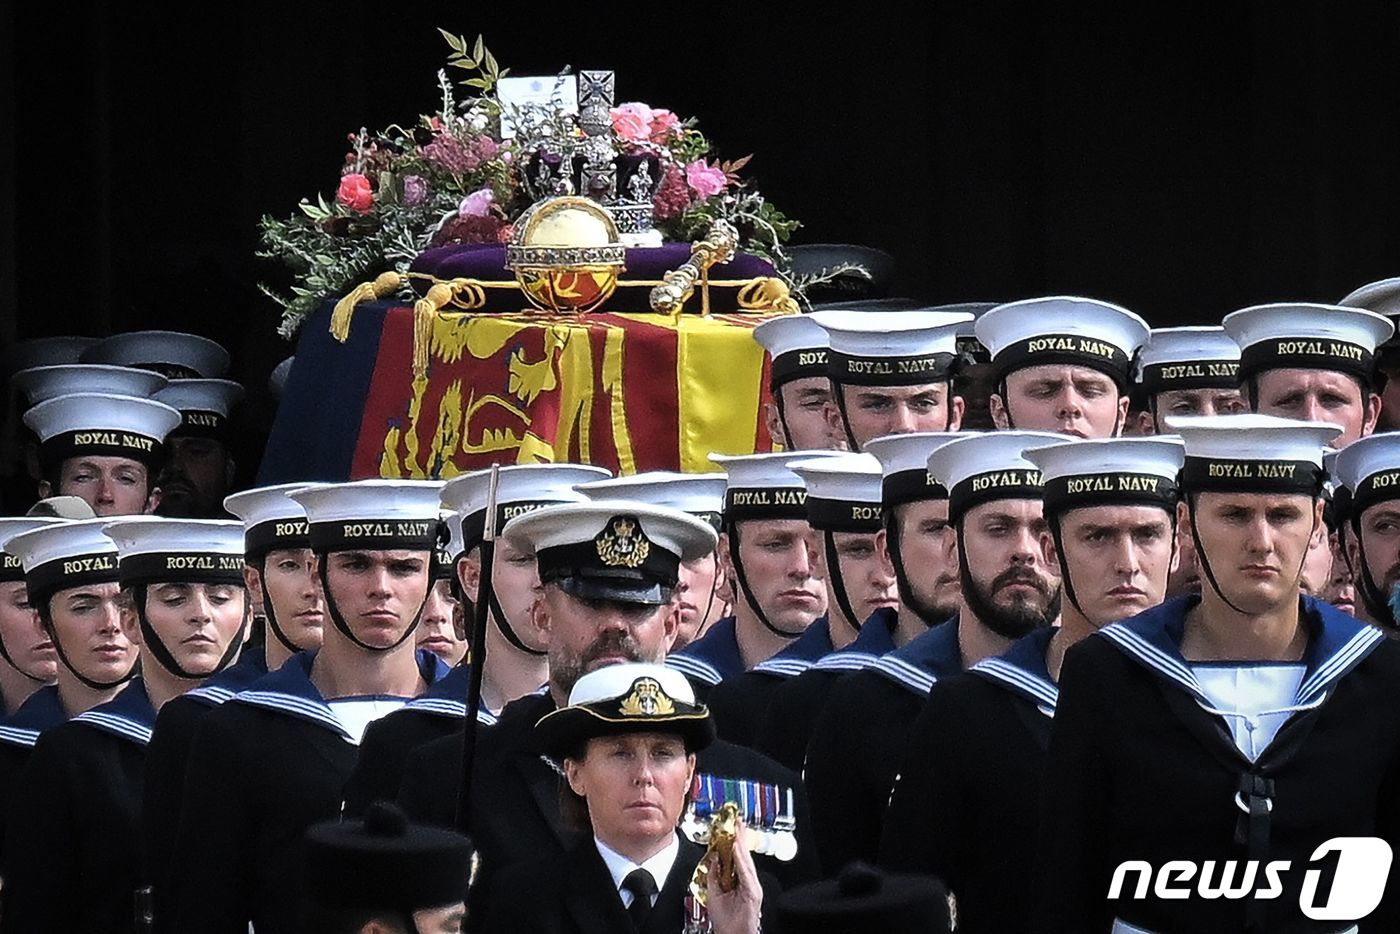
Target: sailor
x: 1063, y: 364
x: 914, y: 516
x: 1188, y: 371
x: 609, y: 569
x: 19, y: 448
x: 75, y: 845
x: 70, y: 577
x: 516, y: 662
x: 279, y: 574
x: 274, y: 759
x: 1370, y: 471
x: 630, y: 732
x: 1242, y: 729
x: 797, y: 351
x: 29, y: 662
x: 1309, y: 361
x: 1008, y: 590
x: 383, y: 874
x: 1383, y: 297
x: 843, y: 508
x: 767, y: 550
x: 701, y: 583
x: 891, y: 372
x: 967, y: 803
x: 106, y: 449
x: 200, y: 472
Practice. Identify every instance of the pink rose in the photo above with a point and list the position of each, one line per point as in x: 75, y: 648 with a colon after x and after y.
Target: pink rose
x: 476, y: 204
x: 663, y: 124
x: 355, y: 193
x: 632, y: 122
x: 704, y: 179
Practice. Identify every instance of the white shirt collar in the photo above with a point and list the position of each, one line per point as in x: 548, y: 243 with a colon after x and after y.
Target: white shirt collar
x: 620, y: 866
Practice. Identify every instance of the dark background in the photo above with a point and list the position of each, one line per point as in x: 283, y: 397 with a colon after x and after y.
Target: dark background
x: 1183, y: 161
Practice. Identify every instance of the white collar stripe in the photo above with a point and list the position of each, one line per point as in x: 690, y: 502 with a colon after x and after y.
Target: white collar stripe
x: 112, y: 723
x: 1154, y: 657
x: 18, y: 736
x: 298, y: 706
x: 1034, y: 685
x: 846, y: 661
x: 694, y: 668
x: 1356, y: 648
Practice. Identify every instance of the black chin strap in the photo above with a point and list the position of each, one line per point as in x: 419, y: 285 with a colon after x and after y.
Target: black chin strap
x: 270, y: 614
x: 1066, y: 581
x: 5, y: 654
x: 838, y: 581
x: 1203, y: 560
x: 782, y: 417
x: 47, y: 620
x: 163, y: 655
x: 926, y: 613
x: 1375, y: 599
x: 743, y: 582
x: 339, y: 621
x: 838, y: 392
x: 499, y: 617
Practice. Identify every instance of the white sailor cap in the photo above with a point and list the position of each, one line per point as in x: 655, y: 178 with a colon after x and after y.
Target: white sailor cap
x: 891, y: 348
x: 700, y: 494
x: 618, y: 550
x: 1063, y: 330
x: 1382, y: 297
x: 1188, y: 358
x: 372, y: 514
x: 44, y: 351
x: 1308, y: 336
x: 980, y: 468
x: 41, y: 383
x: 1109, y: 472
x: 271, y: 519
x: 628, y: 698
x: 797, y: 346
x: 904, y: 462
x: 104, y: 425
x: 173, y: 353
x: 452, y: 548
x: 761, y: 486
x: 156, y: 550
x: 61, y: 555
x: 204, y: 405
x: 1370, y: 469
x: 843, y: 492
x: 11, y: 568
x: 1252, y: 453
x: 521, y: 488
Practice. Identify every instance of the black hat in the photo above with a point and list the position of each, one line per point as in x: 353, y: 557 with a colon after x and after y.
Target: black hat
x: 864, y: 899
x: 626, y: 698
x: 384, y: 862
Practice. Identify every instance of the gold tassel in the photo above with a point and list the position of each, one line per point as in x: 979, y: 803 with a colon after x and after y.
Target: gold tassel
x: 386, y: 284
x: 767, y: 294
x: 424, y: 310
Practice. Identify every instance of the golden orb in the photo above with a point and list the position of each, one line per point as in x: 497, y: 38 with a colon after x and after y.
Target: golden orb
x: 566, y: 254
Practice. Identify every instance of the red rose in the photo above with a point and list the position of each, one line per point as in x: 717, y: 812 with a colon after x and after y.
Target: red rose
x: 355, y: 193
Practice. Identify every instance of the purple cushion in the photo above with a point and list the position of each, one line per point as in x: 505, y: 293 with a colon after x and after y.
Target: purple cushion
x: 487, y: 262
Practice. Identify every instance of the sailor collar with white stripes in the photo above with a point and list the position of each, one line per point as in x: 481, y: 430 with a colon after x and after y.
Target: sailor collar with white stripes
x: 40, y: 711
x: 875, y: 640
x: 1337, y: 643
x: 289, y: 690
x: 933, y: 655
x: 251, y: 666
x: 1021, y: 670
x: 711, y: 658
x: 801, y: 653
x: 129, y: 715
x: 447, y: 698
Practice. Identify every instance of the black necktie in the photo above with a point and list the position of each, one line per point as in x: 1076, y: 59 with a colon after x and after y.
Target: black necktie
x: 642, y: 886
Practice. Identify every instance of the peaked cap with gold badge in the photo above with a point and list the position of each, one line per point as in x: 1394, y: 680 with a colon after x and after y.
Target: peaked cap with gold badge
x: 627, y: 698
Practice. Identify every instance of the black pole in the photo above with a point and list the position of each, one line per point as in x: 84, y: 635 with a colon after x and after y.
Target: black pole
x: 478, y: 655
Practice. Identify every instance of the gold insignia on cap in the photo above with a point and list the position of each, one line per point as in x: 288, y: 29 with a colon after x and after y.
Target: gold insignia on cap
x: 647, y: 699
x: 623, y: 544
